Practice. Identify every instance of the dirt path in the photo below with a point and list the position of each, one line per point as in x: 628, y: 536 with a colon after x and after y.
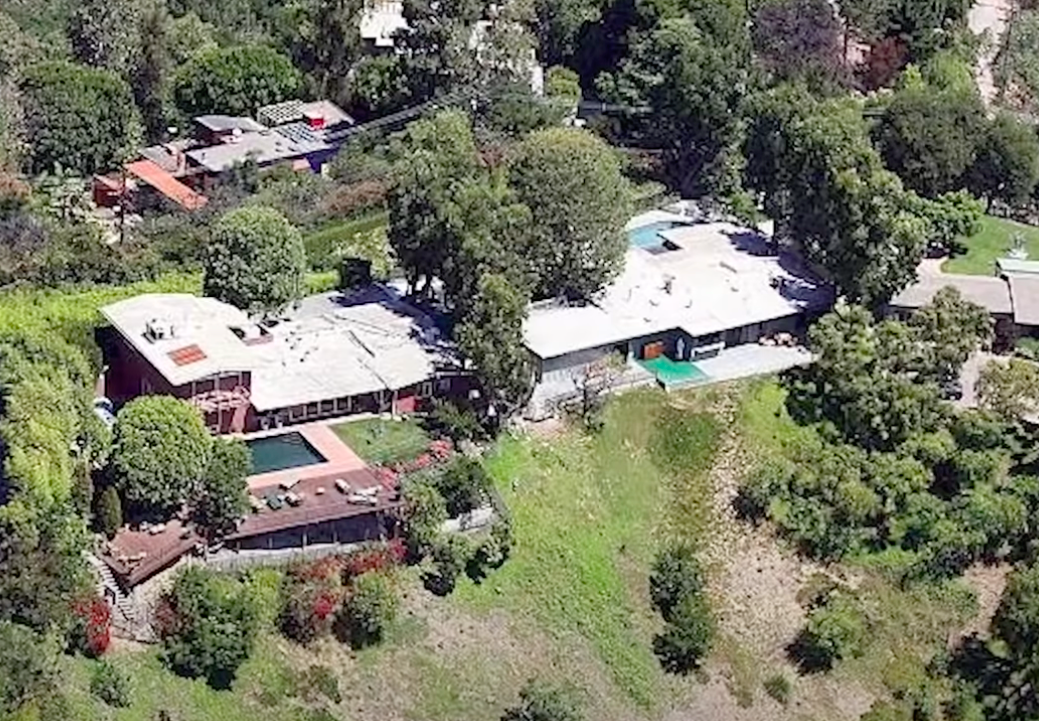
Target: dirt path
x: 754, y: 584
x: 988, y: 17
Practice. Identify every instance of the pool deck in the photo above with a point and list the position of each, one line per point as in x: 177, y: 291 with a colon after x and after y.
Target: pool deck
x: 339, y: 457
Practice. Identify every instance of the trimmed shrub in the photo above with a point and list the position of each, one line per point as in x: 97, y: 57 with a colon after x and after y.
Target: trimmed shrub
x: 109, y: 512
x: 111, y: 685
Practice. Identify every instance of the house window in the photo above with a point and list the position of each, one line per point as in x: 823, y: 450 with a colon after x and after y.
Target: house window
x: 425, y: 390
x: 296, y: 413
x: 146, y: 386
x: 328, y: 406
x: 443, y: 385
x: 204, y: 386
x: 312, y: 409
x: 343, y: 405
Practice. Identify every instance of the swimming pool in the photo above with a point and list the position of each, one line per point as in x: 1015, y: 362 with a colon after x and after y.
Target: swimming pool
x: 648, y: 236
x: 288, y: 450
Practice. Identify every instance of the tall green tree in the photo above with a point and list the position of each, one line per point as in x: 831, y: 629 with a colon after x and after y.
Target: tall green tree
x: 325, y: 43
x: 255, y: 260
x: 104, y: 34
x: 1006, y: 165
x: 1010, y: 390
x: 221, y: 504
x: 683, y: 85
x: 160, y: 452
x: 949, y: 329
x: 80, y: 118
x: 928, y: 137
x: 153, y: 69
x: 490, y: 334
x: 825, y: 185
x: 234, y: 80
x: 435, y: 159
x: 800, y: 39
x: 28, y: 671
x: 579, y: 201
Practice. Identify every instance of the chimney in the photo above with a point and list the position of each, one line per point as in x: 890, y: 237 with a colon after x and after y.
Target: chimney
x: 315, y: 119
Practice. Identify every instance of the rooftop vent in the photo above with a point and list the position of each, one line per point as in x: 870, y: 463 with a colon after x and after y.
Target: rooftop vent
x: 156, y: 329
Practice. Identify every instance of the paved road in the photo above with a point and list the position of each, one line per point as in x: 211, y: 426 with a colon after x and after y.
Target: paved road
x: 988, y: 16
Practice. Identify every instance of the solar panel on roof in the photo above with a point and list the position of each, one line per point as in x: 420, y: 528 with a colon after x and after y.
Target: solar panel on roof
x: 298, y: 133
x: 187, y: 355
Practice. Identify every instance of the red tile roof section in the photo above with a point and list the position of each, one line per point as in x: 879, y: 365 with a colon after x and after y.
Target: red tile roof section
x: 187, y: 355
x: 166, y: 184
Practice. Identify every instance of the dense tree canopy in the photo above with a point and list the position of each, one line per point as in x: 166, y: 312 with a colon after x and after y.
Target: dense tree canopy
x: 255, y: 260
x: 160, y: 452
x: 235, y: 80
x: 1006, y: 167
x: 579, y: 202
x: 80, y: 118
x: 682, y: 85
x: 928, y: 137
x: 800, y: 39
x: 104, y: 33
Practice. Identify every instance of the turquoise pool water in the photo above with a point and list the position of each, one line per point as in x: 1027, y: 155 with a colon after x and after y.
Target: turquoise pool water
x: 674, y: 373
x: 648, y: 236
x: 276, y: 453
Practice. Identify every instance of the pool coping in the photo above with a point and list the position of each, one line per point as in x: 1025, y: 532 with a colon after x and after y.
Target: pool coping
x: 339, y: 457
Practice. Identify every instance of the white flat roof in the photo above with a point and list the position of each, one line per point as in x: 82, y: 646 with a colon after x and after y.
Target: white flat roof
x: 332, y: 346
x: 720, y: 277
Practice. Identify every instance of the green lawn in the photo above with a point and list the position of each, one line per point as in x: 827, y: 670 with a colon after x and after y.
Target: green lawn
x: 588, y: 512
x: 990, y: 243
x: 363, y: 237
x: 385, y: 441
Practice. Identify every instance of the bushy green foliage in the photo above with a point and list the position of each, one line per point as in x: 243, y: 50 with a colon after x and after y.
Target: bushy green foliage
x: 453, y: 420
x: 160, y: 452
x: 109, y: 513
x: 579, y: 201
x: 235, y: 80
x: 221, y: 502
x: 450, y: 555
x: 676, y: 587
x: 424, y: 514
x: 111, y: 684
x: 836, y: 630
x: 1010, y: 390
x: 540, y: 701
x: 255, y: 260
x: 370, y: 606
x: 79, y: 118
x: 208, y: 626
x: 28, y: 670
x: 676, y: 575
x: 687, y: 637
x: 464, y: 484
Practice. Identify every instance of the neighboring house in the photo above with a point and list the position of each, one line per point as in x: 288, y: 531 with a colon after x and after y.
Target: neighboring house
x: 1011, y: 296
x: 380, y: 22
x: 333, y: 355
x: 305, y: 135
x: 688, y: 291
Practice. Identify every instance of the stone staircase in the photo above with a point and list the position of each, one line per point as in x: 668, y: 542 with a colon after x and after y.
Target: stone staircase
x: 109, y: 588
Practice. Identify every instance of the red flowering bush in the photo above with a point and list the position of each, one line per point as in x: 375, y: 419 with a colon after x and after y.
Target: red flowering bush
x: 92, y: 627
x: 374, y: 558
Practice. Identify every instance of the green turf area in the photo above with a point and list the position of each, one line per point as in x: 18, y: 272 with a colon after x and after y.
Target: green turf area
x: 588, y: 511
x: 380, y: 440
x: 990, y: 243
x: 363, y: 237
